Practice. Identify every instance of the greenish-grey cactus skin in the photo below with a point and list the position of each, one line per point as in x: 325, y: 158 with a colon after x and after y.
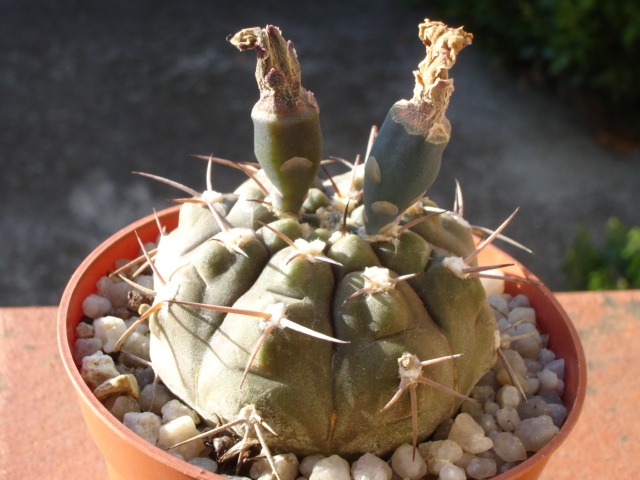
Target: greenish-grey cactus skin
x: 289, y: 148
x: 442, y: 230
x: 318, y: 395
x: 287, y: 135
x: 405, y: 158
x: 401, y: 167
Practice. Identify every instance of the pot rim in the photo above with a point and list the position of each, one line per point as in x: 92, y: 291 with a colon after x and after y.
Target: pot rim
x: 146, y: 227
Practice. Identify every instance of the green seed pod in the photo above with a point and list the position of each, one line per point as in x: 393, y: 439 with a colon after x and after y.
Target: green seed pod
x: 405, y: 158
x: 287, y: 135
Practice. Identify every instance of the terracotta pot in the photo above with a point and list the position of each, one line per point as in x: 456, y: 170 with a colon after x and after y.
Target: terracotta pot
x: 129, y: 457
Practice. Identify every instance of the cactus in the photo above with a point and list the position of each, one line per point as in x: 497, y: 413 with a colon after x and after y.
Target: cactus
x: 353, y: 322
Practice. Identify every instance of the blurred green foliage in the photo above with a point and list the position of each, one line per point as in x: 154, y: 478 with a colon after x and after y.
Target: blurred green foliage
x: 590, y: 45
x: 616, y: 265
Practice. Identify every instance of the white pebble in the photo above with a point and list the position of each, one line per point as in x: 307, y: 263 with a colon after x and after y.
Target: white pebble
x: 464, y: 460
x: 483, y: 393
x: 95, y: 306
x: 533, y: 366
x: 469, y: 435
x: 370, y: 467
x: 535, y: 433
x: 528, y: 347
x: 145, y: 425
x: 533, y: 407
x: 519, y: 300
x: 204, y: 463
x: 406, y: 465
x: 97, y: 368
x: 522, y: 315
x: 533, y: 385
x: 175, y: 408
x: 286, y: 466
x: 491, y: 455
x: 144, y: 375
x: 515, y: 360
x: 307, y: 464
x: 487, y: 422
x: 479, y: 468
x: 546, y: 356
x: 109, y: 330
x: 450, y: 471
x: 440, y: 453
x: 548, y: 380
x: 85, y: 347
x: 116, y: 292
x: 499, y: 305
x: 508, y: 419
x: 508, y: 396
x: 161, y: 396
x: 121, y: 405
x: 84, y: 330
x: 509, y: 447
x: 557, y: 367
x: 119, y: 294
x: 505, y: 467
x: 558, y: 413
x: 491, y: 408
x: 137, y: 344
x: 526, y: 328
x: 145, y: 281
x: 331, y: 468
x: 503, y: 324
x: 142, y: 328
x: 550, y: 397
x: 179, y: 430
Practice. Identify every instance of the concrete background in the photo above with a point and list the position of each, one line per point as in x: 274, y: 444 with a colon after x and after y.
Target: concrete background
x: 91, y: 90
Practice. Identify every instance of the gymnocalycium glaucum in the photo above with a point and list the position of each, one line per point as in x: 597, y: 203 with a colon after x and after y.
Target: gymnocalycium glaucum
x: 345, y: 314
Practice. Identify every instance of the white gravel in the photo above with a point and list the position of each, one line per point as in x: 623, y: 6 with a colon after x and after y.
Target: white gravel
x: 405, y: 464
x: 176, y: 431
x: 331, y: 468
x: 145, y: 424
x: 480, y: 442
x: 370, y: 467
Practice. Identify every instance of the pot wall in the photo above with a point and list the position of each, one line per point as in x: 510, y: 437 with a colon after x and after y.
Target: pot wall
x: 563, y: 340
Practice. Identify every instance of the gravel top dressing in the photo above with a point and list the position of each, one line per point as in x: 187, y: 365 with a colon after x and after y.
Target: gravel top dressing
x: 483, y: 440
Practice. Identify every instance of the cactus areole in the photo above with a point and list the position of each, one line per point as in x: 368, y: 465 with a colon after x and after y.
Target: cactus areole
x: 324, y: 308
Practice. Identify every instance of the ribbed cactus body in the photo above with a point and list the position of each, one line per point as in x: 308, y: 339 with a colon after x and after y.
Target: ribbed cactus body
x: 324, y: 321
x: 317, y: 395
